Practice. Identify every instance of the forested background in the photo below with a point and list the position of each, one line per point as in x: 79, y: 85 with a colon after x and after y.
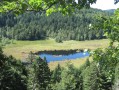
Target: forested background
x: 102, y: 73
x: 94, y: 75
x: 36, y: 26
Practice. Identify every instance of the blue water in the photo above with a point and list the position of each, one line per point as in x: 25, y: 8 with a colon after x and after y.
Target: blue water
x: 51, y: 58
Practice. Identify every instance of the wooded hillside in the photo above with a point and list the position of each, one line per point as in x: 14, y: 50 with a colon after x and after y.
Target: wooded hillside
x: 36, y: 26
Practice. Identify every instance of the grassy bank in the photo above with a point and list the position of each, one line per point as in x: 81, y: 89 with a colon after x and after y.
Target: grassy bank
x: 20, y: 49
x: 76, y: 62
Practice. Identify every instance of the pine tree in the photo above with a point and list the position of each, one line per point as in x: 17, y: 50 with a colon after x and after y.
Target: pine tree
x: 116, y: 83
x: 70, y: 79
x: 42, y: 73
x: 12, y: 74
x: 90, y: 78
x: 56, y: 74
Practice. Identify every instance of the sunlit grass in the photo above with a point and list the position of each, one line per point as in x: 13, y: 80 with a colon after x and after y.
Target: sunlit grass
x: 20, y: 49
x: 76, y: 62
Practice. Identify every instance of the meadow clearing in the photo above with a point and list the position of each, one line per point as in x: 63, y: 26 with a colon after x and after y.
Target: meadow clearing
x: 21, y: 49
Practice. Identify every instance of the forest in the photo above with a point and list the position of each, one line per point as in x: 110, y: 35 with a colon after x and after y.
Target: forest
x: 102, y: 73
x: 37, y: 26
x: 96, y: 75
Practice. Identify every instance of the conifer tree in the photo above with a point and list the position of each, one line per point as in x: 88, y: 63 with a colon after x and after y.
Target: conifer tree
x: 12, y: 74
x: 42, y: 73
x: 70, y: 79
x: 116, y: 83
x: 90, y: 78
x: 56, y: 74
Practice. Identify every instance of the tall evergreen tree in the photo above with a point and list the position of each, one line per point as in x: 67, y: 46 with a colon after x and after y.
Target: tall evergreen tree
x: 116, y: 82
x: 56, y: 74
x: 70, y: 79
x: 90, y: 78
x: 42, y: 73
x: 12, y: 74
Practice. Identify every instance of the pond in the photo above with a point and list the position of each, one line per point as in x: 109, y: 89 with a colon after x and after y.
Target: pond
x: 62, y: 55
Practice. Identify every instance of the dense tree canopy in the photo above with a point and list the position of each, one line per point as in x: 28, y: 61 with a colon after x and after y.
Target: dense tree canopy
x: 12, y: 73
x: 102, y: 74
x: 64, y: 6
x: 49, y: 6
x: 36, y: 26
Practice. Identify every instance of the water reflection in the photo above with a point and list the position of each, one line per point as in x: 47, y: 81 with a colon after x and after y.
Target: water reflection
x: 62, y: 55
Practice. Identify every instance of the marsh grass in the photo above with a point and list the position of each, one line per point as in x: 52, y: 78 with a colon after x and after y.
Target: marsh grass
x: 24, y: 47
x: 21, y: 49
x: 76, y: 62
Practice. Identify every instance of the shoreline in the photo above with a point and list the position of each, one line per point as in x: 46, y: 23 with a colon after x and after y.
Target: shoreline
x: 21, y: 49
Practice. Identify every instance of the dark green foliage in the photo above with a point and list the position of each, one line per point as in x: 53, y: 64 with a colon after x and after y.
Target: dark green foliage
x: 108, y: 58
x: 12, y: 74
x: 31, y: 57
x: 56, y: 74
x: 35, y: 26
x: 87, y: 63
x: 105, y: 82
x: 5, y: 41
x: 42, y: 73
x: 58, y: 39
x: 116, y: 83
x: 101, y: 74
x: 39, y: 75
x: 70, y: 79
x: 2, y: 57
x: 32, y: 82
x: 90, y: 78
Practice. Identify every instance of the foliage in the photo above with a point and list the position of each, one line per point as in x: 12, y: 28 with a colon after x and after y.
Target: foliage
x: 4, y: 41
x: 90, y: 78
x: 42, y: 73
x: 32, y: 82
x: 56, y: 74
x: 63, y: 6
x: 108, y: 58
x: 35, y: 26
x: 101, y: 74
x: 38, y: 75
x: 70, y: 79
x: 12, y: 74
x: 116, y: 83
x: 58, y: 39
x: 31, y: 57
